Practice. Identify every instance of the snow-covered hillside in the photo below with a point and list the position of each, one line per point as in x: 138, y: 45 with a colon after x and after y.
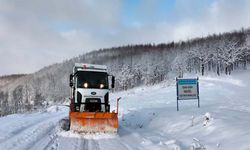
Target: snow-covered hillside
x: 132, y: 65
x: 148, y: 120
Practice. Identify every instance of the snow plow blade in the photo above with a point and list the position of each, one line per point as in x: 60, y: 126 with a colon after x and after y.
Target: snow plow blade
x: 92, y: 122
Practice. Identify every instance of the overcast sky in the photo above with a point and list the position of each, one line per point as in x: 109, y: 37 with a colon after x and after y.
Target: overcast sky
x: 36, y: 33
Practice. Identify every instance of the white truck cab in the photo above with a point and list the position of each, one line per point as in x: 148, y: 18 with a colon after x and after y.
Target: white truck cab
x: 90, y: 88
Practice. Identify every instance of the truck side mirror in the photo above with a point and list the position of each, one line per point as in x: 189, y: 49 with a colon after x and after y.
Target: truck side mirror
x: 70, y: 80
x: 113, y: 82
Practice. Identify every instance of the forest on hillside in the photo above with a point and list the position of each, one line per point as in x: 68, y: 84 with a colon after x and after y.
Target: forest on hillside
x: 136, y: 65
x: 132, y: 65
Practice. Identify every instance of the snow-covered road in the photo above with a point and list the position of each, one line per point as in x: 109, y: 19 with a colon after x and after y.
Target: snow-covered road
x: 29, y: 131
x: 148, y: 120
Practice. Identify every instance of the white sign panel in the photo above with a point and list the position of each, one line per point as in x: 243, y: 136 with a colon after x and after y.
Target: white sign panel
x: 187, y: 89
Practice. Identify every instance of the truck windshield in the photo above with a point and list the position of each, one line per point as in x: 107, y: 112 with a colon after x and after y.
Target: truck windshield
x: 90, y: 79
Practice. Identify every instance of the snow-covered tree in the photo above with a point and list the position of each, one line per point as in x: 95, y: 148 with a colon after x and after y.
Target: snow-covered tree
x: 179, y: 65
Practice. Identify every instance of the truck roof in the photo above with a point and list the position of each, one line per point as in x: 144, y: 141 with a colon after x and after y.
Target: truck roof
x: 89, y: 67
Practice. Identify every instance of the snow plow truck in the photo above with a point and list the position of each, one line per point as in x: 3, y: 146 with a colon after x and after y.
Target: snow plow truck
x: 89, y: 99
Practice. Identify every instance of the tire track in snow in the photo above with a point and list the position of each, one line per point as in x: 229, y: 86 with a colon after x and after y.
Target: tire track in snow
x: 90, y: 144
x: 76, y: 146
x: 30, y: 135
x: 86, y: 144
x: 124, y: 145
x: 113, y: 144
x: 53, y: 144
x: 96, y: 145
x: 19, y: 129
x: 50, y: 141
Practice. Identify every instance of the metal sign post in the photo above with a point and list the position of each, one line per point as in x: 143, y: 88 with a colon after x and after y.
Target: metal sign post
x: 187, y: 89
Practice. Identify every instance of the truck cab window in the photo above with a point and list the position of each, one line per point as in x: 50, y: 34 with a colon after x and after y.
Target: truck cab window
x: 90, y: 79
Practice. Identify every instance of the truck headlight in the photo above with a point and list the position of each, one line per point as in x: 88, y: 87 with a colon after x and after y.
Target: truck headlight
x: 101, y: 86
x: 85, y: 85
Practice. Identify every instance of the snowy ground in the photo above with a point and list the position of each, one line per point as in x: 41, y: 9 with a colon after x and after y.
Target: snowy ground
x: 148, y: 120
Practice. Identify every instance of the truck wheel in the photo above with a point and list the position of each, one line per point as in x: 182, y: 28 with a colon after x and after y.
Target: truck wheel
x: 65, y: 124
